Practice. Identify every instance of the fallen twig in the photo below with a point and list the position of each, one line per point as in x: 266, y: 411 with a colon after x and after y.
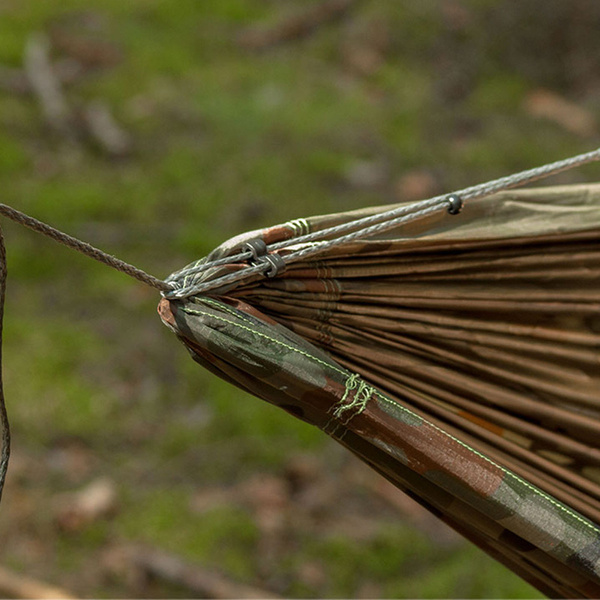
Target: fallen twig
x: 45, y: 80
x: 15, y: 81
x: 105, y: 131
x: 200, y: 581
x: 15, y: 585
x: 296, y: 26
x: 544, y: 104
x: 46, y: 85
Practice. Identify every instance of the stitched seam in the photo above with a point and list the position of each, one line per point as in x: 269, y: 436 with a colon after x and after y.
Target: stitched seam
x: 306, y: 354
x: 490, y: 461
x: 226, y: 309
x: 387, y: 400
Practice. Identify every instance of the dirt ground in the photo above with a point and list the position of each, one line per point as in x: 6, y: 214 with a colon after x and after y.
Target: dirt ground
x: 166, y: 128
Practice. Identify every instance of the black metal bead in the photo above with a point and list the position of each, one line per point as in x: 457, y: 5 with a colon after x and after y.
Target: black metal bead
x: 455, y: 204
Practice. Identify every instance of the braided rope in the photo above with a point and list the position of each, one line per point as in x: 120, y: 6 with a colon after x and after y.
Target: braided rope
x: 75, y: 244
x: 476, y: 191
x: 184, y: 283
x: 83, y: 248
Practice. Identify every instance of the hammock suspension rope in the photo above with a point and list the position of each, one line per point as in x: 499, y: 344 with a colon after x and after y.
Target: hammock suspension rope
x: 79, y: 246
x: 83, y: 247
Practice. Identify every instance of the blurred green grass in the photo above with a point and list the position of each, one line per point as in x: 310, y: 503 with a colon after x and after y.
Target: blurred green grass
x: 225, y: 140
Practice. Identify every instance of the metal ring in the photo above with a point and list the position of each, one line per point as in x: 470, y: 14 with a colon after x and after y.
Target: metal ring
x: 274, y: 264
x: 257, y: 248
x: 455, y: 204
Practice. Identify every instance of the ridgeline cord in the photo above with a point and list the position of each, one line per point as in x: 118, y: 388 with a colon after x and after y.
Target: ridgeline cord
x: 189, y: 280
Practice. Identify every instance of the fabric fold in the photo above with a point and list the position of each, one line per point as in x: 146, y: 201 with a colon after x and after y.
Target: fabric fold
x: 459, y: 356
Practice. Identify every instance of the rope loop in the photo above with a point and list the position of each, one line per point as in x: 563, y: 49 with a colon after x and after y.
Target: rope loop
x: 257, y: 248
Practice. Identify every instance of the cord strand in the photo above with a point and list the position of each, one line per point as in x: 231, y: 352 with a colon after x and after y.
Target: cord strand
x: 182, y: 283
x: 79, y: 246
x: 4, y: 424
x: 83, y: 248
x: 189, y: 280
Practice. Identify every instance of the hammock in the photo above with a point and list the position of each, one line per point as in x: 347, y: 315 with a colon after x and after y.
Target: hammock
x: 457, y: 352
x: 457, y: 356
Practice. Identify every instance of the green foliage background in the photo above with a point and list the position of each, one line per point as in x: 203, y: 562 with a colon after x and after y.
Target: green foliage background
x: 228, y: 139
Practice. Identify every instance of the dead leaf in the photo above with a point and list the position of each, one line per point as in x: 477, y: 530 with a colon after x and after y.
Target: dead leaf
x: 544, y: 104
x: 97, y: 500
x: 416, y: 185
x: 295, y: 26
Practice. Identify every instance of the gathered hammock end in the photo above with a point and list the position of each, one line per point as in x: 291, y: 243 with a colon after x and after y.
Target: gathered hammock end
x: 452, y: 344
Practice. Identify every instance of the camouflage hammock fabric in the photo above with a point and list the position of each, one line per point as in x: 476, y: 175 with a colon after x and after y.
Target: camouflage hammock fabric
x: 459, y: 356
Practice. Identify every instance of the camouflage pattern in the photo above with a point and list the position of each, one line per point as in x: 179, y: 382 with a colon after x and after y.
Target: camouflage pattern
x: 458, y: 358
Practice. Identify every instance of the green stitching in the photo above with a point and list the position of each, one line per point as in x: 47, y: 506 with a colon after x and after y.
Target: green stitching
x: 306, y: 226
x: 306, y: 354
x: 387, y: 400
x: 227, y: 309
x: 350, y: 385
x: 359, y: 402
x: 537, y: 491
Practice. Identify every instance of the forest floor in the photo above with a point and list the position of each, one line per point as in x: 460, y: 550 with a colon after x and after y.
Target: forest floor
x: 166, y: 128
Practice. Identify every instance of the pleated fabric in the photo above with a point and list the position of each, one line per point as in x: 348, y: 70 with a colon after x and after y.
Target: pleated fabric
x: 458, y: 355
